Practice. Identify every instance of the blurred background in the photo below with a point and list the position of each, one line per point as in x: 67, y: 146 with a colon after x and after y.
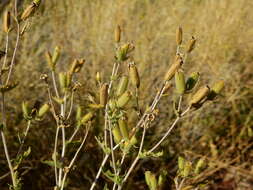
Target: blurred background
x: 220, y: 131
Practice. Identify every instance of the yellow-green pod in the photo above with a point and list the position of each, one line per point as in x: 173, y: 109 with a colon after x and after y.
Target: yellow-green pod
x: 173, y: 68
x: 87, y: 117
x: 112, y: 104
x: 117, y: 34
x: 43, y: 110
x: 180, y: 82
x: 200, y: 95
x: 104, y: 94
x: 49, y: 60
x: 216, y: 89
x: 63, y: 80
x: 95, y: 106
x: 78, y: 113
x: 123, y: 127
x: 25, y: 109
x: 116, y: 134
x: 181, y: 163
x: 28, y: 12
x: 56, y: 55
x: 123, y: 99
x: 187, y: 169
x: 134, y: 75
x: 37, y: 2
x: 191, y: 45
x: 7, y: 21
x: 192, y: 81
x: 123, y: 83
x: 199, y: 166
x: 151, y: 180
x: 58, y: 100
x: 179, y: 36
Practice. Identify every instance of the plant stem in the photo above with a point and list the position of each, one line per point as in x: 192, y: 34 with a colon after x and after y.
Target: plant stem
x: 23, y: 140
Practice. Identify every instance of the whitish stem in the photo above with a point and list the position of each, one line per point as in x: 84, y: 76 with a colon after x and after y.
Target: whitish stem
x: 74, y: 158
x: 111, y: 147
x: 71, y: 105
x: 179, y: 104
x: 55, y: 85
x: 102, y: 165
x: 169, y: 130
x: 55, y: 154
x: 135, y: 161
x: 121, y: 163
x: 14, y: 52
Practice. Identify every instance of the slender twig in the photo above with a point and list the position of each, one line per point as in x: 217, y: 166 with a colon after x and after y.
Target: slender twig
x: 102, y: 165
x: 54, y: 84
x: 74, y: 158
x: 71, y: 104
x: 55, y: 154
x: 136, y: 159
x: 15, y: 49
x: 111, y: 147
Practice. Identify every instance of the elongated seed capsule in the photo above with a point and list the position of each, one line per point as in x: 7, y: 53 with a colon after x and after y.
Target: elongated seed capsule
x: 181, y: 163
x: 7, y: 21
x: 28, y: 12
x: 187, y: 169
x: 116, y: 134
x: 104, y: 94
x: 151, y: 180
x: 63, y: 80
x: 179, y: 36
x: 56, y: 54
x: 173, y: 68
x: 123, y: 99
x: 123, y: 83
x: 98, y: 77
x: 25, y: 110
x: 192, y: 81
x: 200, y: 95
x: 37, y: 2
x: 87, y: 117
x: 191, y: 45
x: 216, y: 89
x: 123, y: 127
x: 49, y: 60
x: 78, y: 113
x: 43, y: 110
x: 180, y: 82
x: 134, y: 75
x: 117, y: 34
x: 199, y: 166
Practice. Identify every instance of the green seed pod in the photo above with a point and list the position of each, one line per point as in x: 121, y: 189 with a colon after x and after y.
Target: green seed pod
x: 200, y: 95
x: 7, y: 21
x: 117, y: 34
x: 37, y: 2
x: 123, y: 127
x: 76, y: 66
x: 56, y: 55
x: 63, y: 80
x: 199, y: 166
x: 104, y: 94
x: 123, y: 83
x: 95, y: 106
x: 180, y: 82
x: 215, y: 90
x: 191, y: 45
x: 181, y: 163
x: 173, y: 68
x: 151, y: 180
x: 26, y: 110
x: 134, y: 75
x: 87, y: 117
x: 98, y: 77
x: 78, y: 113
x: 58, y: 100
x: 43, y: 110
x: 179, y: 36
x: 162, y: 179
x: 28, y: 12
x: 116, y: 134
x: 49, y: 60
x: 187, y: 169
x: 192, y: 81
x: 123, y: 99
x: 112, y: 104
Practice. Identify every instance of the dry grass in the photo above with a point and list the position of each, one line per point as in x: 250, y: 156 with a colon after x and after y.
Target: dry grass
x: 85, y: 29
